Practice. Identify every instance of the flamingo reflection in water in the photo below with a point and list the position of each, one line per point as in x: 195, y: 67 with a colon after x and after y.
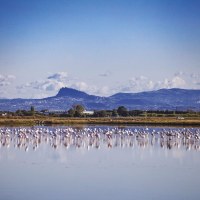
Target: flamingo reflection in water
x: 90, y: 137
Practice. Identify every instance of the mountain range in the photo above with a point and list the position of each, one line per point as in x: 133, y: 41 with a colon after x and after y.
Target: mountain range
x: 163, y: 99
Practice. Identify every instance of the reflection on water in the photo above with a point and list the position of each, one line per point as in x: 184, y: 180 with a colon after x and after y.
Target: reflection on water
x: 99, y: 162
x: 26, y: 138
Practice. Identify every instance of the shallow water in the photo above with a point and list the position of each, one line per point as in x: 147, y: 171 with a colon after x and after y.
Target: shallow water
x: 116, y: 168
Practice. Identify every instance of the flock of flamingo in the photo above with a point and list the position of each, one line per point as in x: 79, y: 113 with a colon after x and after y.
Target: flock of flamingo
x: 93, y: 137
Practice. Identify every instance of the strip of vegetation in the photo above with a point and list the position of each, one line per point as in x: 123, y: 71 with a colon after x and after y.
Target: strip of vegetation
x: 13, y: 121
x: 121, y: 115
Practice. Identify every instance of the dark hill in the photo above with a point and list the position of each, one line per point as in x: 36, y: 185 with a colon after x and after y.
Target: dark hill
x: 163, y: 99
x: 70, y: 92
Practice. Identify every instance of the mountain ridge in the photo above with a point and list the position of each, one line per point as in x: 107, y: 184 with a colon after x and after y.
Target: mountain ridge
x: 162, y: 99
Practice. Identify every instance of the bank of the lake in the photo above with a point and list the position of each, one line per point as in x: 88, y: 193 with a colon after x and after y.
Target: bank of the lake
x: 33, y: 120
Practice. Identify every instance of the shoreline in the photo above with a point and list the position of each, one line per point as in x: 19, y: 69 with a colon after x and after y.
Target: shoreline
x: 156, y: 121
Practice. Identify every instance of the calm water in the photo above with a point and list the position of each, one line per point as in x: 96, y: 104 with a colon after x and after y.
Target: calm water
x: 121, y: 167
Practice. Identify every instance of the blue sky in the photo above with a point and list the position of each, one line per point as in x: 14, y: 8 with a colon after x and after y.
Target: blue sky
x: 101, y: 47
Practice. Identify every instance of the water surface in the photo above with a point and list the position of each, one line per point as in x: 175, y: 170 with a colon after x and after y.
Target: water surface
x: 121, y: 167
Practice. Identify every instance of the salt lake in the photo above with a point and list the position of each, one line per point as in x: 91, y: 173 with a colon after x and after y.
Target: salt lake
x: 99, y: 162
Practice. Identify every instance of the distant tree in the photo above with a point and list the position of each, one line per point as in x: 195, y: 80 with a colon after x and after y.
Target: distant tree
x: 102, y: 113
x: 44, y: 110
x: 77, y: 114
x: 32, y: 111
x: 19, y: 112
x: 76, y: 111
x: 122, y: 111
x: 79, y: 109
x: 96, y: 113
x: 114, y: 113
x: 71, y: 112
x: 135, y: 112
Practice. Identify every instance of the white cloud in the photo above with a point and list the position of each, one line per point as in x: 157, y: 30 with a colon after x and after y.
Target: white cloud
x: 46, y: 85
x: 91, y: 89
x: 195, y: 77
x: 54, y: 82
x: 60, y: 76
x: 177, y: 82
x: 142, y: 83
x: 6, y: 80
x: 51, y: 85
x: 80, y: 86
x: 180, y: 73
x: 174, y: 82
x: 137, y: 84
x: 104, y: 91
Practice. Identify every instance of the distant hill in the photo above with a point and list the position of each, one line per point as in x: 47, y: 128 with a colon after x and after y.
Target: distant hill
x: 70, y: 92
x: 163, y: 99
x: 171, y: 99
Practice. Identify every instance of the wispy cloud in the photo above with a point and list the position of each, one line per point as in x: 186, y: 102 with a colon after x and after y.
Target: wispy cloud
x: 105, y: 74
x: 6, y: 80
x: 136, y: 84
x: 46, y: 85
x: 54, y: 82
x: 60, y: 76
x: 83, y: 86
x: 142, y: 83
x: 51, y: 84
x: 180, y: 73
x: 42, y: 88
x: 195, y: 78
x: 6, y: 84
